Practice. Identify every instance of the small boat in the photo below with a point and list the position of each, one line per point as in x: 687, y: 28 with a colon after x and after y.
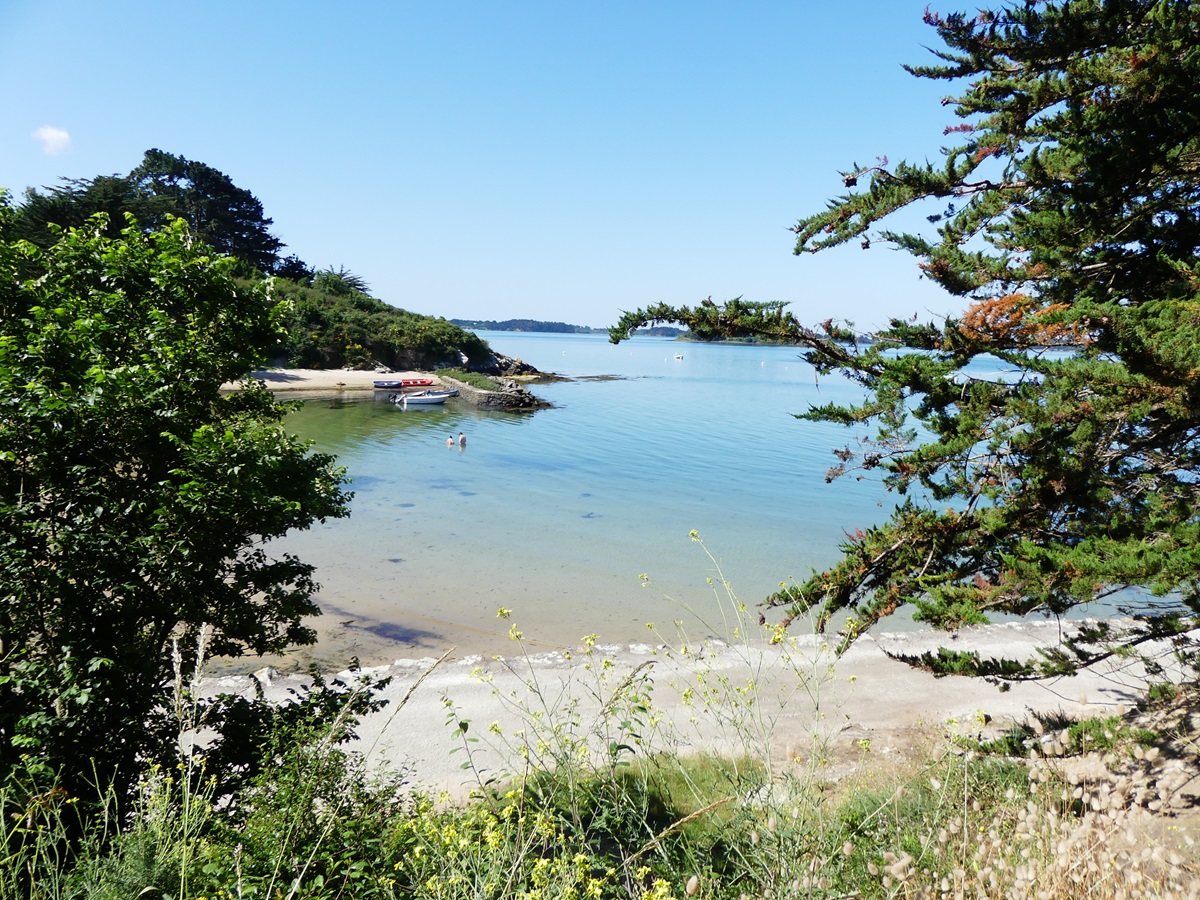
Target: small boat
x: 397, y: 384
x: 422, y: 398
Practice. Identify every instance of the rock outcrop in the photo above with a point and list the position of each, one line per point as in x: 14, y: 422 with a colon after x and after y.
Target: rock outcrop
x: 503, y: 366
x: 512, y: 397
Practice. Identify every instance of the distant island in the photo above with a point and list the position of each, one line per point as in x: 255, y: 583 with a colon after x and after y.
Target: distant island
x: 554, y: 327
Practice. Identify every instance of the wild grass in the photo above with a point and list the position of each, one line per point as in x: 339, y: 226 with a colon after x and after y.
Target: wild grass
x: 475, y: 379
x: 599, y: 793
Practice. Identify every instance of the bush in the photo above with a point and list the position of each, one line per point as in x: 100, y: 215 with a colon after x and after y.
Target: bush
x: 327, y: 329
x: 475, y: 379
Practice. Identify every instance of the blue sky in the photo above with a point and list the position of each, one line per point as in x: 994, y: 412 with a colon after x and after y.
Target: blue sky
x: 561, y: 161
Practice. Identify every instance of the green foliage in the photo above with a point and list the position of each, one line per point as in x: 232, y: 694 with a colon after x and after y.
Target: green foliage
x: 154, y: 855
x: 322, y: 830
x: 72, y: 204
x: 475, y: 379
x: 1069, y: 217
x: 135, y: 497
x: 294, y: 268
x: 311, y: 816
x: 330, y: 321
x: 334, y: 324
x: 227, y: 218
x: 485, y: 851
x: 598, y: 811
x: 340, y: 283
x: 164, y: 186
x: 1071, y: 737
x: 251, y: 733
x: 40, y: 819
x: 1162, y: 693
x: 963, y: 793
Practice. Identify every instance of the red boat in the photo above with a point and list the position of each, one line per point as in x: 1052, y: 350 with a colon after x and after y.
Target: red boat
x: 398, y: 384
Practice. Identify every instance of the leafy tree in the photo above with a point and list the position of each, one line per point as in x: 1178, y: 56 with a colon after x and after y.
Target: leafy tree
x: 73, y: 203
x: 1068, y: 216
x: 226, y: 217
x: 340, y: 281
x: 330, y: 320
x: 334, y: 324
x: 136, y: 500
x: 293, y: 268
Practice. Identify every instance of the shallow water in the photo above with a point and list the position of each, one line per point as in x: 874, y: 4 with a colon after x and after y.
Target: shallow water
x: 558, y: 514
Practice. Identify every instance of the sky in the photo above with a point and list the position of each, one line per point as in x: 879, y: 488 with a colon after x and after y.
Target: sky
x: 491, y: 160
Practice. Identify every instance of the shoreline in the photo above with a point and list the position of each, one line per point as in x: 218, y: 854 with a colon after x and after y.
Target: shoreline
x: 865, y: 706
x: 861, y: 708
x: 346, y: 634
x: 325, y: 382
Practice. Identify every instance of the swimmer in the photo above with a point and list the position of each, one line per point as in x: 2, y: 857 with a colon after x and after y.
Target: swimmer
x: 462, y: 439
x: 450, y: 441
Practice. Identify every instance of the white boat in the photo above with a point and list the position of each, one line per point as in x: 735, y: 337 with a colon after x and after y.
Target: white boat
x: 422, y: 398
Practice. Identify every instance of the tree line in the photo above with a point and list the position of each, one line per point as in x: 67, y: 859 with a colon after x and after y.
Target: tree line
x: 330, y: 320
x: 533, y: 325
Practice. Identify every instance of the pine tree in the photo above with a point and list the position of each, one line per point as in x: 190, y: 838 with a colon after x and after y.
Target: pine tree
x: 1066, y: 217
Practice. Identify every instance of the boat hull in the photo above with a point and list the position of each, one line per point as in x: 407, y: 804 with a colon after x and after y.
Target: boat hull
x: 395, y: 384
x: 423, y: 398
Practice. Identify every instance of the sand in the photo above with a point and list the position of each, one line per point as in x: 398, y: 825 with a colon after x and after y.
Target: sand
x: 858, y: 710
x: 326, y: 382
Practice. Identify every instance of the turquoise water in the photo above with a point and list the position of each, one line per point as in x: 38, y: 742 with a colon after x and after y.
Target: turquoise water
x: 557, y: 514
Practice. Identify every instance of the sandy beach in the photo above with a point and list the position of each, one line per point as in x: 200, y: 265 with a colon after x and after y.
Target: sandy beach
x: 326, y: 382
x: 862, y: 709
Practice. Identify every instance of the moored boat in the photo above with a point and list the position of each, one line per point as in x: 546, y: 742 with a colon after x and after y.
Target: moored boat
x: 396, y: 384
x: 422, y: 398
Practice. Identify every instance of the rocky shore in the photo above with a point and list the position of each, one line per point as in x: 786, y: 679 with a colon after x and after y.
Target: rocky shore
x: 512, y: 396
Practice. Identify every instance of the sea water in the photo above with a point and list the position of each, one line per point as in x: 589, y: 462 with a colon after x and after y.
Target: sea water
x: 669, y: 482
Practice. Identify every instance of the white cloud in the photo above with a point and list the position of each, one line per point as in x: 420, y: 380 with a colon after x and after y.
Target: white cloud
x: 54, y: 140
